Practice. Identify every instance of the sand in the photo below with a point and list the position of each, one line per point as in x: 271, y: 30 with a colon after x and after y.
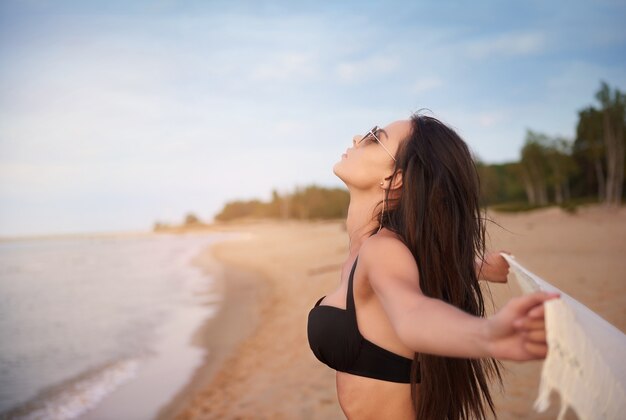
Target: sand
x: 259, y: 364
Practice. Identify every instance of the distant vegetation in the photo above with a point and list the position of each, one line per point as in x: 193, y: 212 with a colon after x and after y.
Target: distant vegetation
x: 551, y: 170
x: 312, y: 202
x: 555, y: 170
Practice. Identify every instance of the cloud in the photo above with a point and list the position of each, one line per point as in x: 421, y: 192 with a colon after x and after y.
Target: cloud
x: 289, y: 128
x: 285, y: 67
x: 506, y: 45
x: 425, y: 84
x: 488, y: 119
x: 367, y: 68
x: 19, y: 178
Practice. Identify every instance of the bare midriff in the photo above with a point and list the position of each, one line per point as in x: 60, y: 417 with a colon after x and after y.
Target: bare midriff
x: 366, y: 398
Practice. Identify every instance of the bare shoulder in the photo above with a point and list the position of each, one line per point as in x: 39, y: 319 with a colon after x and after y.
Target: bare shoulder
x: 385, y: 244
x: 388, y: 261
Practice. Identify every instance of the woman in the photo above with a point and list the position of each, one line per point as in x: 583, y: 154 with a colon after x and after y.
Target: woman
x: 406, y: 329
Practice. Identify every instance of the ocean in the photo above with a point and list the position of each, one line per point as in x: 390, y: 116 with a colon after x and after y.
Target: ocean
x: 100, y: 324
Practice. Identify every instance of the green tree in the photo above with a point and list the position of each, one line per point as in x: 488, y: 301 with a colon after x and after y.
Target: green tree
x: 614, y: 118
x: 499, y: 183
x: 534, y: 168
x: 589, y: 147
x: 562, y: 166
x: 191, y: 219
x: 239, y: 209
x: 489, y: 183
x: 311, y: 202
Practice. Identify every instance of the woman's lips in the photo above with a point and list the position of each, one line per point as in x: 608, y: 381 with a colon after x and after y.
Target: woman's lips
x: 344, y: 155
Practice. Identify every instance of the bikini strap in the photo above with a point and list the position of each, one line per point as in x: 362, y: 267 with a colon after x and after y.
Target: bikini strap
x: 350, y: 295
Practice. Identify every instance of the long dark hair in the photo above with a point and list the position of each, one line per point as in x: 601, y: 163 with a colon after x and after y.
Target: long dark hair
x: 438, y: 216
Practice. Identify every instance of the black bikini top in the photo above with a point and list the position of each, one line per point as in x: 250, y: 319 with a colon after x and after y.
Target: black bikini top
x: 336, y: 341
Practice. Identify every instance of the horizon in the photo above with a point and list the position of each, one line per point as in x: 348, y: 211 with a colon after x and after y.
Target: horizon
x: 116, y: 116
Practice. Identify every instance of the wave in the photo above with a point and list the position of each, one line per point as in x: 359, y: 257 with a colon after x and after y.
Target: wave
x: 73, y: 397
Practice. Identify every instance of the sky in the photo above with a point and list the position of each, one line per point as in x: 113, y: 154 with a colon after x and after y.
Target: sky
x: 116, y: 115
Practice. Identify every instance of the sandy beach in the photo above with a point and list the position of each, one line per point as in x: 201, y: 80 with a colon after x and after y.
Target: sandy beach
x: 259, y: 364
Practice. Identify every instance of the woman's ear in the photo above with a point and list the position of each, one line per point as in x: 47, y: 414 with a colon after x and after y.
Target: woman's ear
x: 395, y: 179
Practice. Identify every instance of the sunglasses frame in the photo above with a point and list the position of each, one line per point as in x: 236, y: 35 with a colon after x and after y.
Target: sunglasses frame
x: 372, y: 132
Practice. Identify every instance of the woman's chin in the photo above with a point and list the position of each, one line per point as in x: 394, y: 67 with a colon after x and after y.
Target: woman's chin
x: 337, y: 170
x: 339, y: 174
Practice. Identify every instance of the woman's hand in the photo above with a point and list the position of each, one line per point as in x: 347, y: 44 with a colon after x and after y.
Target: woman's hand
x: 517, y: 331
x: 494, y: 268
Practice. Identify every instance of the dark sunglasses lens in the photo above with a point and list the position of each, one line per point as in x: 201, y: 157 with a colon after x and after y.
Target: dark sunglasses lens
x: 370, y: 135
x: 373, y: 134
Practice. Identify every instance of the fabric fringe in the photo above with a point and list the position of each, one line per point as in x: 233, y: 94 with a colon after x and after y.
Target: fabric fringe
x: 585, y: 362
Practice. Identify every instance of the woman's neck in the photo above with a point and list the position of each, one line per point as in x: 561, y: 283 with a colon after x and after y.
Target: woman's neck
x: 360, y: 222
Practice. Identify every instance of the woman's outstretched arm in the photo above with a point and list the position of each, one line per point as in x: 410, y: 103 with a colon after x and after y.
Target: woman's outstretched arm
x: 428, y: 325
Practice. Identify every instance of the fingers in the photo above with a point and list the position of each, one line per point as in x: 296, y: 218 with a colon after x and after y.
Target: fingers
x: 533, y: 330
x: 537, y: 312
x: 524, y: 304
x: 537, y: 350
x: 536, y: 336
x: 505, y: 261
x: 496, y: 268
x: 503, y: 251
x: 497, y: 258
x: 529, y: 324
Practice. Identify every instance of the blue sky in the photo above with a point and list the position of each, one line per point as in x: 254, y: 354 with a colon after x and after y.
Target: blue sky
x: 118, y: 114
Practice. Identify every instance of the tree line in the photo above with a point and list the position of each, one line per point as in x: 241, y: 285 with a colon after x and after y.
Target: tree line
x: 551, y: 170
x: 556, y: 170
x: 311, y: 202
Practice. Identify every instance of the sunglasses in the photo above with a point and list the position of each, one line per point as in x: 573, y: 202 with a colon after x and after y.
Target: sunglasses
x: 372, y: 135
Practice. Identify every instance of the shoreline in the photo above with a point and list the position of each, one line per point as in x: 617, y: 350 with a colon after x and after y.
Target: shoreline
x: 220, y: 334
x: 271, y: 373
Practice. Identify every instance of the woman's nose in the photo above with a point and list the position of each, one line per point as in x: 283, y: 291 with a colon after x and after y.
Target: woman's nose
x: 355, y: 140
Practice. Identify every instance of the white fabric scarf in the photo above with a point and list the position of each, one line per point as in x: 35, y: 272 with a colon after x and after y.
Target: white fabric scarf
x: 586, y: 360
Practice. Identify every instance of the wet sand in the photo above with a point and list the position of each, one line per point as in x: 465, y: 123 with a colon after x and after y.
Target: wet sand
x: 260, y: 366
x: 221, y: 334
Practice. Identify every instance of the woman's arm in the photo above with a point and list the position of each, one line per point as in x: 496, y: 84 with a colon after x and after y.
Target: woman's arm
x: 433, y: 326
